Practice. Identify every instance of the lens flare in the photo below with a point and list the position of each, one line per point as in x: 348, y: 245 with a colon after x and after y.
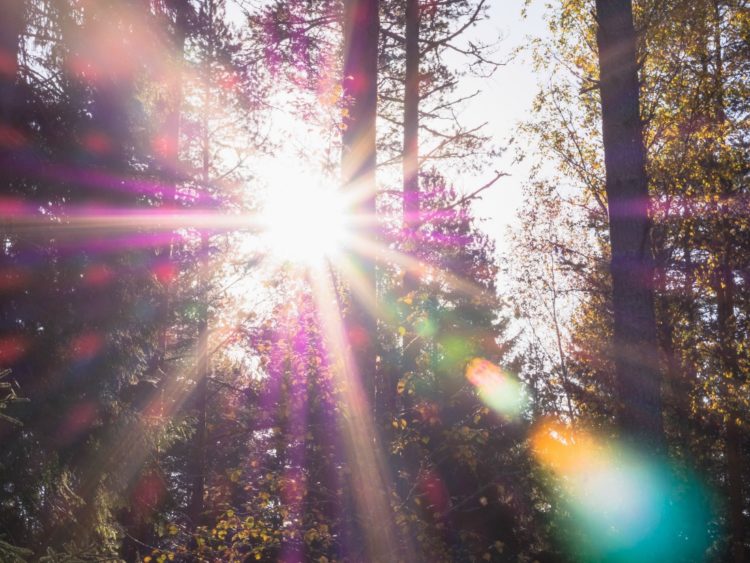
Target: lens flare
x: 86, y: 346
x: 497, y: 389
x: 620, y: 504
x: 12, y: 349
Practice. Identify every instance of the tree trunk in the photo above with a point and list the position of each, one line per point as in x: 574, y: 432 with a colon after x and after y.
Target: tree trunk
x: 174, y: 91
x: 726, y: 321
x: 198, y: 462
x: 198, y: 469
x: 361, y: 29
x: 411, y: 120
x: 371, y: 522
x: 725, y: 306
x: 733, y: 451
x: 634, y: 347
x: 411, y: 201
x: 11, y: 27
x: 171, y: 154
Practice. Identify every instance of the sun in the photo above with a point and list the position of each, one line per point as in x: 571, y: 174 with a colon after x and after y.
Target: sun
x: 305, y: 220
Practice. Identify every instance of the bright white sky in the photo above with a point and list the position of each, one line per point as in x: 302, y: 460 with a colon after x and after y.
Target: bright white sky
x: 505, y: 100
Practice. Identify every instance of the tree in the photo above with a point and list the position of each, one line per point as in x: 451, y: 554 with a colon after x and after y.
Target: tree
x: 358, y: 161
x: 10, y: 38
x: 635, y: 354
x: 678, y: 85
x: 411, y: 156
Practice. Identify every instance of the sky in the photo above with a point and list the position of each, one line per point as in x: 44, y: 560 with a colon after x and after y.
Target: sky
x: 505, y: 100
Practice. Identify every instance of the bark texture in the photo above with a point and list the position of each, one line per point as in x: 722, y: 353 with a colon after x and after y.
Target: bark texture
x: 635, y: 340
x: 368, y: 484
x: 361, y: 30
x: 11, y: 27
x: 411, y: 162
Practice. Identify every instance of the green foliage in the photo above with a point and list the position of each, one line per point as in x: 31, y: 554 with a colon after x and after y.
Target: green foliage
x: 692, y: 70
x: 13, y: 554
x: 145, y: 415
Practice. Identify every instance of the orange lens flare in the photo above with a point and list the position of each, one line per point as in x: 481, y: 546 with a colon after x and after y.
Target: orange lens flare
x: 621, y: 504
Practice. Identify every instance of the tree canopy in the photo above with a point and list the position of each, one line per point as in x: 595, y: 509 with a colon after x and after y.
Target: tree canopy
x: 249, y: 311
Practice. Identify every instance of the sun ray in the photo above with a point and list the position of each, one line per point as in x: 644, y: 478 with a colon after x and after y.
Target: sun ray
x: 369, y: 470
x: 423, y: 270
x: 23, y: 218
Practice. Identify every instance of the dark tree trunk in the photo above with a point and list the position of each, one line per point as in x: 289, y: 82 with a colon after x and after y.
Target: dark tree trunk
x: 197, y: 508
x: 726, y: 321
x: 11, y: 27
x: 724, y: 285
x: 411, y: 118
x: 735, y: 467
x: 634, y: 347
x: 409, y: 461
x: 733, y: 431
x: 181, y: 11
x: 725, y: 288
x: 370, y: 524
x: 411, y: 162
x: 361, y: 30
x: 171, y: 151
